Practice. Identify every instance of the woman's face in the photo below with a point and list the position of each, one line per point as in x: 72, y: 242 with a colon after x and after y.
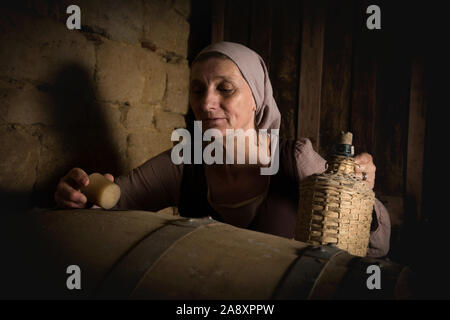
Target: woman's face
x: 220, y: 97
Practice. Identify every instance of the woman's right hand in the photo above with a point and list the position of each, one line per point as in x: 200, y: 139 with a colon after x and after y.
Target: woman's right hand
x: 68, y: 194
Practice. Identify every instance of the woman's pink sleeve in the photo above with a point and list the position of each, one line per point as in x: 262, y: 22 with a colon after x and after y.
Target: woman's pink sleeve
x: 380, y: 237
x: 152, y: 186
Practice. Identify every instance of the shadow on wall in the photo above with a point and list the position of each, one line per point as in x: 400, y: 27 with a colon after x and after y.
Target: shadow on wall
x: 86, y: 138
x: 80, y: 136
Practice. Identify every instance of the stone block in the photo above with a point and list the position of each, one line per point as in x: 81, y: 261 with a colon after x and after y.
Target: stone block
x: 23, y: 103
x: 19, y: 157
x: 120, y: 76
x: 43, y: 8
x: 107, y: 135
x: 128, y: 74
x: 57, y: 154
x: 183, y: 7
x: 177, y: 93
x: 165, y: 28
x: 144, y: 144
x: 155, y: 78
x: 37, y: 48
x: 117, y: 20
x: 167, y: 121
x: 140, y: 116
x: 104, y: 114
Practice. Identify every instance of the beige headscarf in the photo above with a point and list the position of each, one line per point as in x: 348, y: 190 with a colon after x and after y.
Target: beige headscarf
x: 255, y: 73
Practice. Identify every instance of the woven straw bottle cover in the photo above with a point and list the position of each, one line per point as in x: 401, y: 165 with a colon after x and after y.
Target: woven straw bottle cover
x: 335, y: 207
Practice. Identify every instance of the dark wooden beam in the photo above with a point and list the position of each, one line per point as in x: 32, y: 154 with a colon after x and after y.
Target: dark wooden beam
x: 285, y: 62
x: 261, y: 28
x: 337, y: 71
x: 416, y: 136
x: 237, y: 21
x: 311, y: 61
x: 217, y: 20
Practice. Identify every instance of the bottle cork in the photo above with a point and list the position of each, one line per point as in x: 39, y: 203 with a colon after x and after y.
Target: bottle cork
x: 346, y: 138
x: 101, y: 191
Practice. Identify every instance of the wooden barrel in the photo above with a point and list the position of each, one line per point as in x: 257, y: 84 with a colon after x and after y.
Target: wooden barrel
x: 145, y: 255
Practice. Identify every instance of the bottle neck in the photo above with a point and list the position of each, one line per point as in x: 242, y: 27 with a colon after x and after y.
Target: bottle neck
x: 341, y: 164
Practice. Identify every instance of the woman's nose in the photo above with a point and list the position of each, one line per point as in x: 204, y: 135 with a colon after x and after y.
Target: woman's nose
x: 209, y: 101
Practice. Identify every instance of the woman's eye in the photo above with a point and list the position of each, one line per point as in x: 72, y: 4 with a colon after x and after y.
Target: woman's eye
x: 225, y: 89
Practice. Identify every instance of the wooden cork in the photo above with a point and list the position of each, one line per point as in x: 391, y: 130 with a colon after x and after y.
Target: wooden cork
x: 101, y: 191
x: 346, y: 138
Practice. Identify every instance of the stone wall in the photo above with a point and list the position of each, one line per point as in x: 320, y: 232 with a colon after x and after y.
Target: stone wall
x: 104, y: 98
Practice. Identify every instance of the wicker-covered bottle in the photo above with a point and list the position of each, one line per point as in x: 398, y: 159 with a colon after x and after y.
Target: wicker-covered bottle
x: 336, y: 206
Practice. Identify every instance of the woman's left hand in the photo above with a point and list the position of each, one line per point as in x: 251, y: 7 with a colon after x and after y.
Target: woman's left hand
x: 365, y: 168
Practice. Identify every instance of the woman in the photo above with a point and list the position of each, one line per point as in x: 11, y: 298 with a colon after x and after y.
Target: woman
x: 230, y: 89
